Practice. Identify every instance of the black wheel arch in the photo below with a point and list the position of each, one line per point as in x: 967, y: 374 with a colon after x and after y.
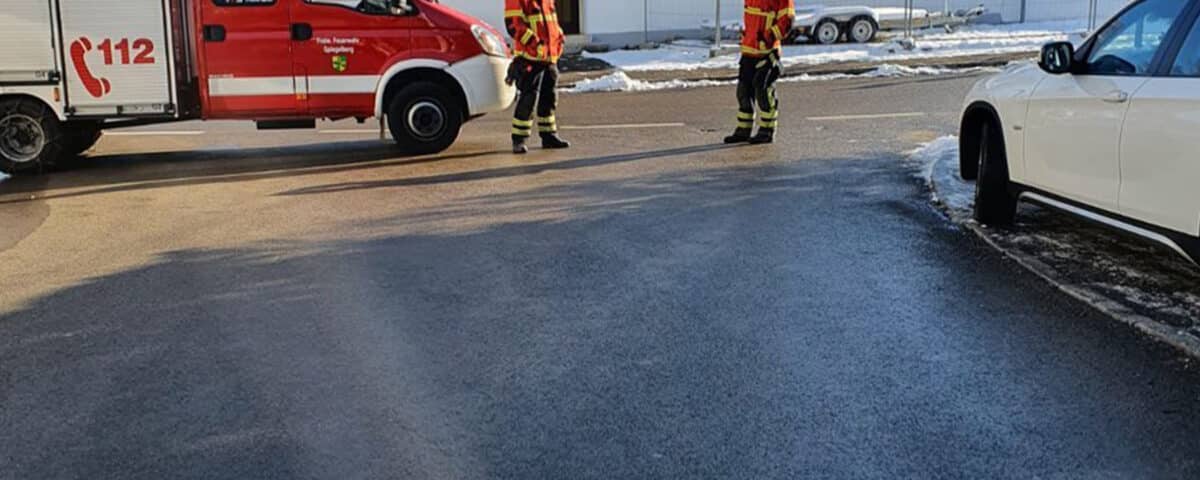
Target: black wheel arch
x: 427, y: 74
x: 975, y: 115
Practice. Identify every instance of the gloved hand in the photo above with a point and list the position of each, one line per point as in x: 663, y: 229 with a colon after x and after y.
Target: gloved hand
x: 770, y: 61
x: 516, y: 70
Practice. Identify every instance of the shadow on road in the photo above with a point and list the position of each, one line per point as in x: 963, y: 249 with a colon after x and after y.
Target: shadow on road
x: 698, y: 324
x: 126, y: 172
x: 504, y: 172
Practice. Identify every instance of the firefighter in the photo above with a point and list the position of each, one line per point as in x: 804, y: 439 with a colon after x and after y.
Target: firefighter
x: 767, y: 22
x: 538, y: 43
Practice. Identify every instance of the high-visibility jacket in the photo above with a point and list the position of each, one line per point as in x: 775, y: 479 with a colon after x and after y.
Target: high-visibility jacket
x: 767, y: 23
x: 533, y: 25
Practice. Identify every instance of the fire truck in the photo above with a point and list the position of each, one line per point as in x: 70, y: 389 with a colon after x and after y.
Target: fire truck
x: 70, y: 69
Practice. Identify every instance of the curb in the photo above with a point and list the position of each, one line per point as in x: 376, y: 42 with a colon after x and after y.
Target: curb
x: 1156, y: 330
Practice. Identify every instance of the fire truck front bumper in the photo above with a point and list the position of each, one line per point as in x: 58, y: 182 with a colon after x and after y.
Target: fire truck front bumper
x: 482, y: 79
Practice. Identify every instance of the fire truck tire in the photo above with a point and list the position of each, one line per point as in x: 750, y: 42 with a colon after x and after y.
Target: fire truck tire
x: 424, y: 118
x: 30, y: 136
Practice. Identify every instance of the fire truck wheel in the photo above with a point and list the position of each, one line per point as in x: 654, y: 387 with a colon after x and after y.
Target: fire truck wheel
x: 424, y: 118
x: 30, y: 136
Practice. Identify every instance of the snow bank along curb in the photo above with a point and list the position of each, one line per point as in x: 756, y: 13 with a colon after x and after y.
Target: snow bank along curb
x: 969, y: 41
x: 622, y: 82
x: 937, y: 159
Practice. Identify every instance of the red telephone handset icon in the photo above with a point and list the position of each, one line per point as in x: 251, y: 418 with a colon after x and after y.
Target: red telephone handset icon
x: 97, y: 87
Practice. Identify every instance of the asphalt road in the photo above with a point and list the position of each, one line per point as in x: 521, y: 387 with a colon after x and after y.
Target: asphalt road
x: 212, y: 302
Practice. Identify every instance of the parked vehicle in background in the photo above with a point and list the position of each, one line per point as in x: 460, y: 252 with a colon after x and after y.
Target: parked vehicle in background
x: 1106, y: 131
x: 860, y: 24
x: 70, y: 69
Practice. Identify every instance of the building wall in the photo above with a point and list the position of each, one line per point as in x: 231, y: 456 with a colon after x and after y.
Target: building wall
x: 621, y: 22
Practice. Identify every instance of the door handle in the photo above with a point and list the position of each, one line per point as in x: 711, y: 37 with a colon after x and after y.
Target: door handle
x: 1116, y: 96
x: 214, y: 33
x: 301, y: 32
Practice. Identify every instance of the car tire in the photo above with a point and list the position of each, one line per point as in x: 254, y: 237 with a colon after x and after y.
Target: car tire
x: 862, y: 29
x: 827, y: 32
x: 995, y: 203
x: 30, y: 136
x: 424, y: 118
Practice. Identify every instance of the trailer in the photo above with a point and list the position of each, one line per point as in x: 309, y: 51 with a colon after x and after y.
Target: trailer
x: 70, y: 69
x: 861, y: 24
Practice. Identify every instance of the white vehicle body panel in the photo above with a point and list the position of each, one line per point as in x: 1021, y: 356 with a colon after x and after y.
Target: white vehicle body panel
x: 1008, y: 93
x: 29, y: 54
x: 1160, y: 155
x: 119, y: 57
x: 1073, y: 136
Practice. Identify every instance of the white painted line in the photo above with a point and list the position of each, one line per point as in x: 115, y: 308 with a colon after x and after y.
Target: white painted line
x: 349, y: 132
x: 622, y: 126
x: 866, y: 117
x: 155, y: 133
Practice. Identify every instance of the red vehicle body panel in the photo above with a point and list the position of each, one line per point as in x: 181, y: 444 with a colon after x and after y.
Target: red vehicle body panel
x: 260, y: 71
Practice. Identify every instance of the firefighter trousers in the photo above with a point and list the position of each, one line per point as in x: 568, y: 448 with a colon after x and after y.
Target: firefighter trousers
x: 536, y: 87
x: 756, y: 86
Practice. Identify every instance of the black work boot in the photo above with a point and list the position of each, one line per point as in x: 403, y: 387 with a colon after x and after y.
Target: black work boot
x: 519, y: 147
x: 551, y: 140
x: 740, y: 135
x: 764, y: 136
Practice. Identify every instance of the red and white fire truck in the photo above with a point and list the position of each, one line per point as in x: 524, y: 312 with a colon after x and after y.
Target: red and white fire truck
x: 70, y: 69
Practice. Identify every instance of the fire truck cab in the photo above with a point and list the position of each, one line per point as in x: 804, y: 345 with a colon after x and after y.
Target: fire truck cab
x: 70, y: 69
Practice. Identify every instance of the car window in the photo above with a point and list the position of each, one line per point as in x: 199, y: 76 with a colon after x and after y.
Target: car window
x: 1187, y: 63
x: 1128, y: 45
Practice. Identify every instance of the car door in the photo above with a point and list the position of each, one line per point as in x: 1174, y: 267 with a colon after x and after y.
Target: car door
x: 1160, y: 145
x: 246, y: 52
x: 1073, y: 126
x: 342, y: 47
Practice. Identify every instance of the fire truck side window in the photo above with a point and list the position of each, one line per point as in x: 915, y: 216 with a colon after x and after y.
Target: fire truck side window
x: 243, y: 3
x: 375, y: 7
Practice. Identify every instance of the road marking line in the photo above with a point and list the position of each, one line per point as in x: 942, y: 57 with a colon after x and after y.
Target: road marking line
x: 348, y: 132
x: 153, y: 133
x: 622, y: 126
x: 866, y: 117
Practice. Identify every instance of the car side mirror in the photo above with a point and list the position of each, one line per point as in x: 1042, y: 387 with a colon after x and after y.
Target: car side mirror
x: 1057, y: 58
x: 402, y: 7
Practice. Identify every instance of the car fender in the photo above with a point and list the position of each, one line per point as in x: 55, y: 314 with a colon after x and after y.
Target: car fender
x: 1007, y: 94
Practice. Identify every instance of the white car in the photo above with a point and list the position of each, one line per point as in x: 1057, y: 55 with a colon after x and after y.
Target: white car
x: 1109, y: 131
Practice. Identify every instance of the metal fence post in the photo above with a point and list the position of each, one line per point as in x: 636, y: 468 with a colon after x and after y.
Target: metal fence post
x: 645, y: 22
x: 717, y: 25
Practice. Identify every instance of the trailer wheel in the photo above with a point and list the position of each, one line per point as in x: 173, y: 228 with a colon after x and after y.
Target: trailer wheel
x: 30, y: 136
x: 424, y: 118
x: 862, y: 29
x: 827, y: 32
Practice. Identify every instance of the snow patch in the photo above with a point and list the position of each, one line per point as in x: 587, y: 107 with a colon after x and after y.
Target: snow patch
x: 3, y: 176
x: 945, y: 186
x: 967, y: 41
x: 622, y: 82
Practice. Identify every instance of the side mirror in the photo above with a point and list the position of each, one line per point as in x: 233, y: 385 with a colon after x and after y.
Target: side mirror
x: 402, y: 7
x: 1057, y: 58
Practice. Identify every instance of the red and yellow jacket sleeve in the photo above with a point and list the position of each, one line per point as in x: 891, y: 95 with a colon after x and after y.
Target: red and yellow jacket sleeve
x: 785, y: 14
x: 517, y: 22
